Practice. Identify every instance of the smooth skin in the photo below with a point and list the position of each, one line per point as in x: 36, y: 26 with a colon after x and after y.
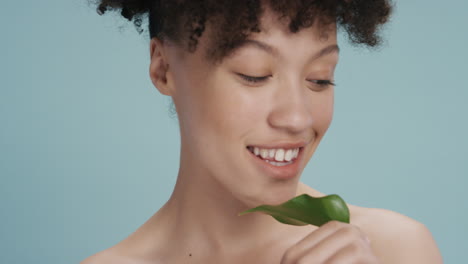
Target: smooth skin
x: 220, y: 114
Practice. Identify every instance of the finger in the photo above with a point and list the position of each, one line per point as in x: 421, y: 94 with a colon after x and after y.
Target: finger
x: 301, y: 247
x: 353, y: 254
x: 332, y: 244
x: 319, y: 234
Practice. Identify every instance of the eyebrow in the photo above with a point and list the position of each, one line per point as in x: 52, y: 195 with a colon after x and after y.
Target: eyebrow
x: 273, y: 51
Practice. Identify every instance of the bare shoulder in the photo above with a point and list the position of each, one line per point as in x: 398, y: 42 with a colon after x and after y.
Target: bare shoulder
x: 397, y: 238
x: 104, y: 257
x: 110, y: 256
x: 99, y: 258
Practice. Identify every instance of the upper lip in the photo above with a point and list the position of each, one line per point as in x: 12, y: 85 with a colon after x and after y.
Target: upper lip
x: 284, y: 145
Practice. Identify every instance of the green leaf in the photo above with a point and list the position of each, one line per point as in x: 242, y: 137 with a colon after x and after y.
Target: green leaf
x: 305, y: 209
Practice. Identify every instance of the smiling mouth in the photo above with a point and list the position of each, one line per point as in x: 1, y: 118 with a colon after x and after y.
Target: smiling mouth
x: 278, y: 156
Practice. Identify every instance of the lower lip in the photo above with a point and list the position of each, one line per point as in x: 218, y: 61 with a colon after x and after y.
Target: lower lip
x: 279, y: 172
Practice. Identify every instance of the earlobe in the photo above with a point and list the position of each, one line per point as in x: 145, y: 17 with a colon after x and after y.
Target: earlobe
x: 159, y: 67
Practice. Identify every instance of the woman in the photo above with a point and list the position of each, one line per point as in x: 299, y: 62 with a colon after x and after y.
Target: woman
x: 252, y: 84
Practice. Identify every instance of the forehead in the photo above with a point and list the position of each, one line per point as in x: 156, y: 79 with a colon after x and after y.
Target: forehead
x: 286, y: 48
x: 274, y: 31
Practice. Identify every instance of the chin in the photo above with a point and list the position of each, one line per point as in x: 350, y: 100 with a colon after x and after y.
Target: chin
x: 273, y: 196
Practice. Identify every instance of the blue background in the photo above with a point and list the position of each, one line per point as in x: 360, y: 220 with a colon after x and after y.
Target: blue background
x: 88, y: 150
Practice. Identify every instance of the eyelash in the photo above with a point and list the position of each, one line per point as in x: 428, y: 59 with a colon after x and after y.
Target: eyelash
x: 253, y: 79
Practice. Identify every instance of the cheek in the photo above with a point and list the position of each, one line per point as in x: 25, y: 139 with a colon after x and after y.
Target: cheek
x: 215, y: 108
x: 322, y: 108
x: 233, y: 110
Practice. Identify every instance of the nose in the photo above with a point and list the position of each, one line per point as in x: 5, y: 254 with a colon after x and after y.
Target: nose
x: 292, y: 110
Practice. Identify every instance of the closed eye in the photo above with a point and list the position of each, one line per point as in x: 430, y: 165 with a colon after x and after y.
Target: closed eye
x: 258, y: 79
x: 322, y: 83
x: 253, y: 79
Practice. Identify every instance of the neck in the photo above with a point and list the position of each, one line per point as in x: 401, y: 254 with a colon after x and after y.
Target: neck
x: 204, y: 216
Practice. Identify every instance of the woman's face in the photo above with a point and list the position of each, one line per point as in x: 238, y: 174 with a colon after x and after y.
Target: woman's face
x: 224, y: 116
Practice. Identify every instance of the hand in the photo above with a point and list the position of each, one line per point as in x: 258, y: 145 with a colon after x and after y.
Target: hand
x: 332, y: 243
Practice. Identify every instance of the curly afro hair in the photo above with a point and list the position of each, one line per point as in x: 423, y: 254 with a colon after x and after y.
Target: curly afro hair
x: 184, y: 21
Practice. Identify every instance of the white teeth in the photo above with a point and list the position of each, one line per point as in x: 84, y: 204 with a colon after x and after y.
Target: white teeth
x: 295, y: 153
x: 279, y: 156
x: 288, y: 155
x: 264, y: 153
x: 272, y: 153
x: 279, y: 164
x: 276, y: 154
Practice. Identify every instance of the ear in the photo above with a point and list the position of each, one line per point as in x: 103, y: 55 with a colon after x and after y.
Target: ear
x: 159, y: 67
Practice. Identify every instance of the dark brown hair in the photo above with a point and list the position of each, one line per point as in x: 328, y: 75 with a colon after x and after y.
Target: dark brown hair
x: 184, y: 21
